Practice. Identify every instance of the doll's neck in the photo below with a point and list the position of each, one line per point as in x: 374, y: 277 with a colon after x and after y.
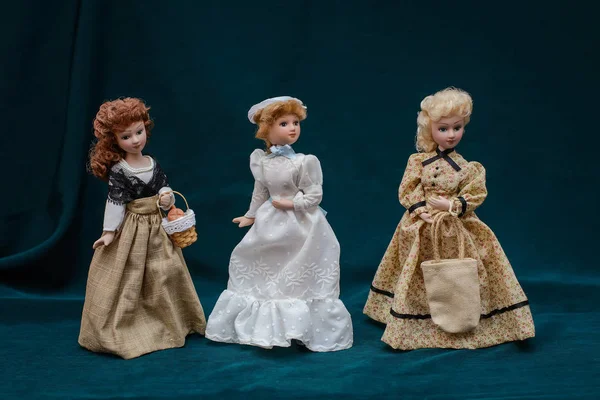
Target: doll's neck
x: 136, y: 160
x: 447, y: 150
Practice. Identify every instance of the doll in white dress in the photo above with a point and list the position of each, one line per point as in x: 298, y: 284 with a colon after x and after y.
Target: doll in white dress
x: 284, y: 274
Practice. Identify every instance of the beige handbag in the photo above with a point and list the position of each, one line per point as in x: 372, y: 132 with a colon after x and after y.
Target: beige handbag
x: 452, y: 285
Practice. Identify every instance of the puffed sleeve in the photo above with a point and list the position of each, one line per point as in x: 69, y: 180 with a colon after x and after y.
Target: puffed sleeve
x: 410, y: 192
x: 310, y: 185
x: 260, y: 193
x: 472, y: 191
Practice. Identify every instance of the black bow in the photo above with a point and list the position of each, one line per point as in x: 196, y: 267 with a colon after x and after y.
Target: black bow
x: 445, y: 156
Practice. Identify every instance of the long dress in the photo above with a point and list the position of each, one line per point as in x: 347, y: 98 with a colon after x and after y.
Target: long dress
x: 398, y: 295
x: 139, y: 296
x: 284, y: 274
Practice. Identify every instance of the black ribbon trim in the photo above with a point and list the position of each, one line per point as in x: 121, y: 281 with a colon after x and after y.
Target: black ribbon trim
x: 383, y: 292
x: 505, y: 309
x: 463, y: 202
x: 445, y: 156
x: 409, y: 316
x: 483, y: 316
x: 417, y: 205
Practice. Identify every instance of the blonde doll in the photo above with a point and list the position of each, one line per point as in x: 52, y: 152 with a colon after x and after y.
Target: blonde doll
x: 439, y: 180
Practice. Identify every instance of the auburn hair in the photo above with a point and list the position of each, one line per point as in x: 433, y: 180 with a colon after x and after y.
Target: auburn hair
x: 113, y: 118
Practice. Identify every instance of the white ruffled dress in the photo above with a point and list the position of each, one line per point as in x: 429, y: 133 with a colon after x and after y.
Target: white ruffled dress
x: 284, y: 274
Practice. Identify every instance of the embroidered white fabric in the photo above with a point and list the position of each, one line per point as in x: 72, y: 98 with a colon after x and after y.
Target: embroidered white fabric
x: 180, y: 224
x: 284, y: 274
x: 320, y: 324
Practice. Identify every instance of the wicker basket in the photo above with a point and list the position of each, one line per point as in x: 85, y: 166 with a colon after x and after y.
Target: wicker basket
x: 182, y: 231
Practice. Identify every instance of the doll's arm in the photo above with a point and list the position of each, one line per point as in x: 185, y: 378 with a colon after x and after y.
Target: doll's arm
x: 472, y: 191
x: 410, y: 192
x: 171, y: 197
x: 106, y: 239
x: 113, y: 216
x: 114, y: 212
x: 161, y: 179
x: 311, y: 184
x: 260, y: 194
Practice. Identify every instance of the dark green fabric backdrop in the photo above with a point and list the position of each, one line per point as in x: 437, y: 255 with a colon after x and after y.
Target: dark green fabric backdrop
x: 361, y: 68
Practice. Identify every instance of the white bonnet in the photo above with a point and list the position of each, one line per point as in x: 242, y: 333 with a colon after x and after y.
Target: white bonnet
x: 254, y: 109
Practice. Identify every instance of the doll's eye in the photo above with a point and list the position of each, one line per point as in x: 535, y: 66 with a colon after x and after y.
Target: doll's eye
x: 125, y: 137
x: 139, y: 132
x: 284, y: 124
x: 296, y: 123
x: 442, y: 129
x: 457, y: 128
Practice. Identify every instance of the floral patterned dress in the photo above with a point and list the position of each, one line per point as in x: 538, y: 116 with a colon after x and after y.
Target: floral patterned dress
x: 397, y: 296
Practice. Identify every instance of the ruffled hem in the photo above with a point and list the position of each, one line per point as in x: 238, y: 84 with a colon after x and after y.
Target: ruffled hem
x: 320, y: 324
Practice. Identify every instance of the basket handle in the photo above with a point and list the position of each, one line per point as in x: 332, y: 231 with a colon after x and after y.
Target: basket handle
x: 436, y: 235
x: 171, y: 191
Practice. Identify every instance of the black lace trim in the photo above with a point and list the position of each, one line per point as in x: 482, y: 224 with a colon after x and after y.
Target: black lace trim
x: 124, y: 187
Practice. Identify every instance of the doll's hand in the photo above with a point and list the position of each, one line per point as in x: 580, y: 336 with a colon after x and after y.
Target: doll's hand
x: 243, y: 221
x: 439, y: 203
x: 165, y: 199
x: 105, y: 240
x: 426, y: 217
x: 283, y: 204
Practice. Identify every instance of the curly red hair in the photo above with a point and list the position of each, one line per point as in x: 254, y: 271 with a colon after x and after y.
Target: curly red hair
x: 113, y: 118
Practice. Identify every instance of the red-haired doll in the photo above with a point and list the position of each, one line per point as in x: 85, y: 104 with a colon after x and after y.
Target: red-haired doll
x: 139, y: 296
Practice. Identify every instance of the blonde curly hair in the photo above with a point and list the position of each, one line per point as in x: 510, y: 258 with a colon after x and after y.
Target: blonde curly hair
x: 450, y: 102
x: 265, y: 117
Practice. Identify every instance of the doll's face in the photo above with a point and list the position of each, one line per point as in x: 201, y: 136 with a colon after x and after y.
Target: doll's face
x: 448, y: 131
x: 133, y: 139
x: 285, y: 130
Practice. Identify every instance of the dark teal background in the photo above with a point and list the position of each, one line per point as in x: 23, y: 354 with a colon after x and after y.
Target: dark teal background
x: 361, y: 68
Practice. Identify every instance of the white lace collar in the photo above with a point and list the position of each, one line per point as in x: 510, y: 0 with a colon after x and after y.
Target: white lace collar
x: 129, y: 168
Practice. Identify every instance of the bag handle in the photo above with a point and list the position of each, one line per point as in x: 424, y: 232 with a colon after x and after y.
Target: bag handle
x: 171, y: 192
x: 436, y: 226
